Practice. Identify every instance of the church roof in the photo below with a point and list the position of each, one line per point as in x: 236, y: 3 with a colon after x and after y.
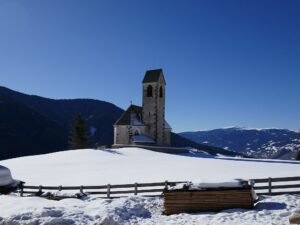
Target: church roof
x: 132, y: 116
x: 153, y: 76
x: 167, y: 125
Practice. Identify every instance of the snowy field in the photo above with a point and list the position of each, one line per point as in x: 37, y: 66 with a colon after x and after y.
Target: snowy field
x: 129, y: 165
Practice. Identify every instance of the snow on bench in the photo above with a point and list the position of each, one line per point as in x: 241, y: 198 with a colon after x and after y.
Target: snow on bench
x: 203, y: 185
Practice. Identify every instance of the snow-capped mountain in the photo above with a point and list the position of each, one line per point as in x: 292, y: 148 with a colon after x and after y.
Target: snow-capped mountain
x: 259, y: 143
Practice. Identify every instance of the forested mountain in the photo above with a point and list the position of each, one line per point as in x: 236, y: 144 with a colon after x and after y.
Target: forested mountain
x: 34, y: 125
x: 258, y: 143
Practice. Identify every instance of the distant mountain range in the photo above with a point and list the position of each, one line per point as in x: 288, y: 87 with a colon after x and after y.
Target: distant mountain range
x: 31, y: 125
x: 259, y: 143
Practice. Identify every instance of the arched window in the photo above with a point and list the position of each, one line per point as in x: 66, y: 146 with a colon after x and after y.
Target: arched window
x: 149, y: 91
x: 161, y: 92
x: 136, y: 133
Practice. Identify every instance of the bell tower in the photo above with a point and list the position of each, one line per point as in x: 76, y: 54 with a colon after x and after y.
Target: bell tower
x: 154, y: 89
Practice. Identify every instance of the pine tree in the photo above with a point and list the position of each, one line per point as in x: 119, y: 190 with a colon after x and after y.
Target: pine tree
x: 79, y: 137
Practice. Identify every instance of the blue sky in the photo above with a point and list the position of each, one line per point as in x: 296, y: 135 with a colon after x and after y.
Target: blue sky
x: 226, y: 63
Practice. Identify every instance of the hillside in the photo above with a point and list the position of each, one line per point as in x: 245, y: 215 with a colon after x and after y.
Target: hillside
x: 31, y: 125
x: 23, y: 131
x: 129, y: 165
x: 35, y: 125
x: 258, y: 143
x: 179, y: 141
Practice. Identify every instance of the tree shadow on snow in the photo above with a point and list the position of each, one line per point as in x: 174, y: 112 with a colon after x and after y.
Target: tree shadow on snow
x: 110, y: 151
x: 270, y: 206
x: 196, y: 155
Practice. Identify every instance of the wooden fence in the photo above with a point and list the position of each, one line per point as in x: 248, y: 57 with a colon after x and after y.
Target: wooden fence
x: 108, y: 191
x: 277, y: 186
x: 266, y: 186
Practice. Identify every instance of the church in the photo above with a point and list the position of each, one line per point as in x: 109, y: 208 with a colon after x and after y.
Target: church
x: 146, y: 125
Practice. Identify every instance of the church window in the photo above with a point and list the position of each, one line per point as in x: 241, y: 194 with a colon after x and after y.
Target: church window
x: 149, y: 91
x: 161, y: 92
x: 136, y: 133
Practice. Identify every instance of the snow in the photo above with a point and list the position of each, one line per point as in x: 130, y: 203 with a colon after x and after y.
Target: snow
x: 137, y: 210
x: 5, y: 176
x: 236, y: 183
x: 129, y: 165
x: 250, y: 128
x: 142, y: 139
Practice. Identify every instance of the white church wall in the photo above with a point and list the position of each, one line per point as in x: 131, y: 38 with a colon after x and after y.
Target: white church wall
x: 121, y: 134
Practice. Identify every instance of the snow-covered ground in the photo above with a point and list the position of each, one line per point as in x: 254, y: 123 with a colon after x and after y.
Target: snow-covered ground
x: 137, y: 210
x: 129, y: 165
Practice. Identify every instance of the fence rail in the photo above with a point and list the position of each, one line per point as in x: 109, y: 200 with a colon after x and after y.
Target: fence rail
x: 266, y: 186
x: 270, y: 186
x: 107, y: 190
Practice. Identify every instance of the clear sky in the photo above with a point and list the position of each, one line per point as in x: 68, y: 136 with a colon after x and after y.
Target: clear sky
x: 226, y: 63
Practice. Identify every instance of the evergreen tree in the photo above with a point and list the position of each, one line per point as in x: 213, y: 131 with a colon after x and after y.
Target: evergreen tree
x: 298, y: 156
x: 79, y: 137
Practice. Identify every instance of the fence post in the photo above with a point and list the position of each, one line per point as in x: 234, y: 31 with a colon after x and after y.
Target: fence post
x: 81, y: 189
x: 40, y: 188
x: 108, y: 190
x: 166, y: 185
x: 59, y: 188
x: 270, y: 185
x: 135, y: 189
x: 21, y: 192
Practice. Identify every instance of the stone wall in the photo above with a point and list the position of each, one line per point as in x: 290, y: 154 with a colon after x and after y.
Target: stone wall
x: 123, y: 133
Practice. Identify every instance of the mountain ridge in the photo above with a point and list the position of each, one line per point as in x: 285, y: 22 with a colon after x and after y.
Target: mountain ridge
x: 254, y: 142
x: 244, y: 128
x: 57, y: 114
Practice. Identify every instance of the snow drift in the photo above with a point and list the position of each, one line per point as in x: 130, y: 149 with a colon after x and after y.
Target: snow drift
x: 5, y: 176
x: 7, y: 183
x: 136, y: 210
